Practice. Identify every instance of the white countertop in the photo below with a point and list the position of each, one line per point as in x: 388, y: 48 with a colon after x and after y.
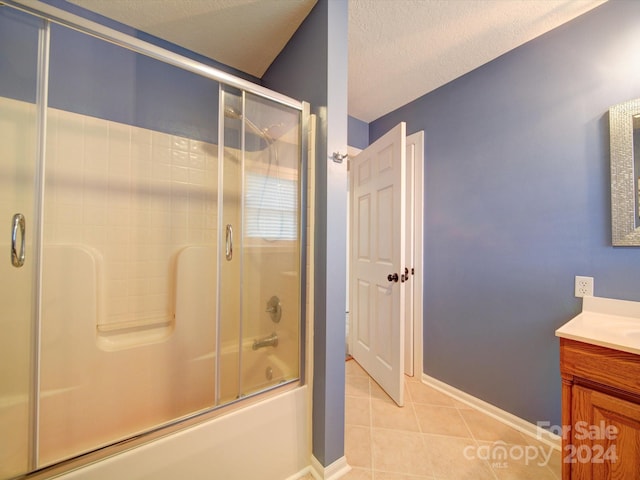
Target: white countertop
x: 606, y: 322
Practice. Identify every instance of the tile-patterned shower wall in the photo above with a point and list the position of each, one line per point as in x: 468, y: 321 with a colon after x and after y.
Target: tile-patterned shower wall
x: 17, y: 172
x: 133, y: 196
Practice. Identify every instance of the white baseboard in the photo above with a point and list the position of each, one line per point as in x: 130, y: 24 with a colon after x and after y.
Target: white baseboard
x: 503, y: 416
x: 331, y: 472
x: 301, y: 474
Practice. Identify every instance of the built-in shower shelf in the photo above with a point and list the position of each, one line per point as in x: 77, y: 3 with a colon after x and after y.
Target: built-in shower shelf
x: 135, y: 325
x: 135, y: 334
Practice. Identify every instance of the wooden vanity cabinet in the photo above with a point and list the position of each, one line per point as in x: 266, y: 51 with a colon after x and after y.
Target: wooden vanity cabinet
x: 600, y: 412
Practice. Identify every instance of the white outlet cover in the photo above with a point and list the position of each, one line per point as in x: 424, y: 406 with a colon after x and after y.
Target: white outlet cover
x: 584, y: 286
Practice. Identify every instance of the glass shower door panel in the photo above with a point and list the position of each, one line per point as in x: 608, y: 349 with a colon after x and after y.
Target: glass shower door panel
x: 129, y: 262
x: 18, y: 85
x: 271, y: 245
x: 230, y: 256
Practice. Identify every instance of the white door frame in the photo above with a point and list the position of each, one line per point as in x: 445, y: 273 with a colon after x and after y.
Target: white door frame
x: 417, y: 140
x: 418, y: 222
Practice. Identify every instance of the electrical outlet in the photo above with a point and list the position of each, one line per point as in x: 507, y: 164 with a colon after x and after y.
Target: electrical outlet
x: 584, y: 286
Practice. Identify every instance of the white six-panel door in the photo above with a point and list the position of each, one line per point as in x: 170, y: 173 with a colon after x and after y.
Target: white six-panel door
x: 378, y: 221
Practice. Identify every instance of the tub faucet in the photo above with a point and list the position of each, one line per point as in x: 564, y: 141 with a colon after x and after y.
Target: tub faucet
x: 270, y: 341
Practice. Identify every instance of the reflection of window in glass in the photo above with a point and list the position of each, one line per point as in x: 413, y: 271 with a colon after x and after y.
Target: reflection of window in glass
x: 270, y: 207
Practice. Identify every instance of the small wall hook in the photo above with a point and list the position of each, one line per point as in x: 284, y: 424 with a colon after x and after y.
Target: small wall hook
x: 338, y: 157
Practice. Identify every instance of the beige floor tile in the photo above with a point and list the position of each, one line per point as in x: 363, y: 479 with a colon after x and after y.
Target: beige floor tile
x: 400, y: 476
x: 383, y: 441
x: 378, y: 392
x: 555, y: 464
x: 486, y: 428
x: 521, y: 469
x: 461, y: 405
x: 353, y: 368
x: 447, y: 400
x: 407, y: 393
x: 520, y: 462
x: 455, y: 458
x: 421, y: 393
x: 358, y: 411
x: 358, y: 474
x: 414, y: 378
x: 441, y: 420
x: 357, y: 446
x: 386, y: 414
x: 396, y: 451
x: 357, y: 386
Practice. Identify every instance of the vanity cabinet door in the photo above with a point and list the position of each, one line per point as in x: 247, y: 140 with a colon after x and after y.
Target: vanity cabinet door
x: 605, y: 434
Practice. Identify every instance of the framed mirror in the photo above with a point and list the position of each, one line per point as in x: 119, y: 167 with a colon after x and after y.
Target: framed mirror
x: 624, y: 125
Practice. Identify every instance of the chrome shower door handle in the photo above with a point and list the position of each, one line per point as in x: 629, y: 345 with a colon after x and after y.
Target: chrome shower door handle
x: 18, y: 223
x: 228, y: 251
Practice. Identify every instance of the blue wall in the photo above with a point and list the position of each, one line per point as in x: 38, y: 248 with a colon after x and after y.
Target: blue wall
x: 313, y: 67
x: 517, y: 202
x: 358, y: 133
x: 92, y: 77
x: 18, y: 64
x: 95, y: 78
x: 88, y: 14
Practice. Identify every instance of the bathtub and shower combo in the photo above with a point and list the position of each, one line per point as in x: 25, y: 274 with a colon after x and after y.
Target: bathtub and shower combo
x: 153, y: 281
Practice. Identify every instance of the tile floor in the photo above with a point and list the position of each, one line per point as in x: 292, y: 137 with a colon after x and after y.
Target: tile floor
x: 432, y: 437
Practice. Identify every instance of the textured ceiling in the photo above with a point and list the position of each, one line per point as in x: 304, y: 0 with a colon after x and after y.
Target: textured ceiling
x: 398, y: 49
x: 401, y: 49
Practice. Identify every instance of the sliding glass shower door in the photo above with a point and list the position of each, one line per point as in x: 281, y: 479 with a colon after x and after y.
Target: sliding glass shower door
x: 19, y: 36
x: 153, y: 238
x: 260, y: 284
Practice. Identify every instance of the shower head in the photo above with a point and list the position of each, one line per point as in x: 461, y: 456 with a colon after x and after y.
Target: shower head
x: 231, y: 112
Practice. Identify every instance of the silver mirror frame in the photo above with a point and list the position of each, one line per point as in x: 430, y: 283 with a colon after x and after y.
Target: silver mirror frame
x: 623, y: 203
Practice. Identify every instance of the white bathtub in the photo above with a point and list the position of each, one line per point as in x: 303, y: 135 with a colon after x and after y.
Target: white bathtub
x: 268, y: 440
